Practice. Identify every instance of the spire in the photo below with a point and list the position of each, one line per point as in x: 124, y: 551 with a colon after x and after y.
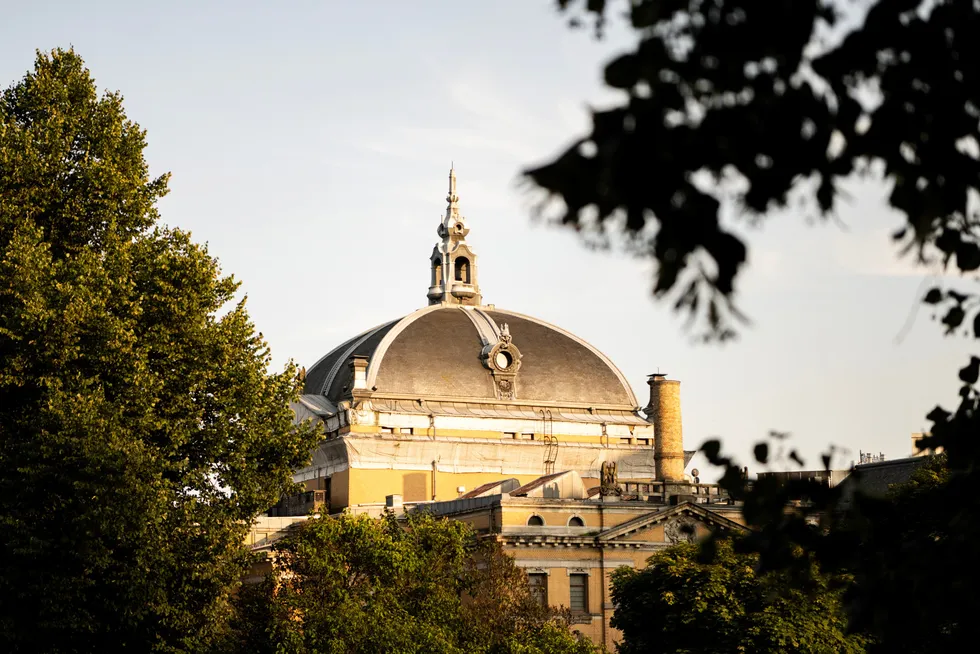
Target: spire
x: 452, y: 208
x: 453, y: 261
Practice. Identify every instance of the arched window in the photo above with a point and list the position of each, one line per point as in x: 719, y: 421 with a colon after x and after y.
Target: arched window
x: 463, y: 270
x: 437, y: 274
x: 535, y: 521
x: 576, y: 521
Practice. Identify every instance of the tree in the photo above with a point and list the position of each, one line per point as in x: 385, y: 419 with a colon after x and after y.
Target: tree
x: 747, y: 102
x: 359, y: 584
x: 140, y: 429
x: 755, y: 103
x: 681, y: 604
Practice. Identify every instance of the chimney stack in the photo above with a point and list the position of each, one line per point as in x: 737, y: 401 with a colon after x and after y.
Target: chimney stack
x: 664, y: 411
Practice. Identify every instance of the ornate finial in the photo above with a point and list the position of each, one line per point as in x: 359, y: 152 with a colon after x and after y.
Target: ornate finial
x: 452, y: 210
x: 505, y: 336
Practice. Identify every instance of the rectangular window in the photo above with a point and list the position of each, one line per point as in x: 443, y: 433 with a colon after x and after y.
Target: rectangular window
x: 510, y: 434
x: 528, y: 436
x: 578, y: 588
x: 387, y: 430
x: 408, y: 430
x: 538, y: 581
x: 642, y: 441
x: 625, y: 441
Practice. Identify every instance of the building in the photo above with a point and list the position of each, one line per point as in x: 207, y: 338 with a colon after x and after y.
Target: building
x: 514, y: 425
x: 570, y: 538
x: 461, y: 393
x: 829, y: 477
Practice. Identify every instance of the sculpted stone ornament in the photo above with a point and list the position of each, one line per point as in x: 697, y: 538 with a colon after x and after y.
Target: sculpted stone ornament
x: 608, y: 483
x: 679, y: 530
x: 503, y: 360
x: 505, y: 337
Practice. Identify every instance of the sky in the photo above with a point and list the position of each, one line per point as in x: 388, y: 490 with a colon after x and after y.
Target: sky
x: 309, y: 145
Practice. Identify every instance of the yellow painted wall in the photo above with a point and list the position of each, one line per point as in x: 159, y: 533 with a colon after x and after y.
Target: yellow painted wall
x: 554, y: 518
x: 653, y: 533
x: 339, y: 490
x: 559, y: 584
x: 499, y: 435
x: 366, y: 485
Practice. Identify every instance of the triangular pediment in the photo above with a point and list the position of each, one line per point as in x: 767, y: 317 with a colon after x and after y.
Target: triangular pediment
x: 672, y: 519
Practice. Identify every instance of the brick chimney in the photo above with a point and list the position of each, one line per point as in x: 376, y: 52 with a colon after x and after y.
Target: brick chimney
x: 664, y: 411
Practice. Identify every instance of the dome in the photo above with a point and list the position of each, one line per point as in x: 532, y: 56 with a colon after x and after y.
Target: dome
x: 474, y: 353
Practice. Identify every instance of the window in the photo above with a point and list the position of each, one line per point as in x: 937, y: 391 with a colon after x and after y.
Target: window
x: 387, y: 430
x: 538, y: 581
x: 578, y: 588
x: 643, y: 441
x: 535, y: 521
x: 510, y: 434
x: 576, y: 521
x: 528, y: 436
x: 625, y: 441
x: 463, y: 270
x: 437, y: 275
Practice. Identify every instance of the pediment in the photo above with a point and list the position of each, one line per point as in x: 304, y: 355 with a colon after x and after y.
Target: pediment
x: 682, y: 523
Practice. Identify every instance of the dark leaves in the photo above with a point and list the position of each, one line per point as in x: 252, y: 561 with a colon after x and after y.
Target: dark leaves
x: 933, y: 296
x: 761, y: 452
x: 711, y: 450
x: 967, y: 256
x: 970, y: 373
x: 953, y: 318
x: 623, y: 72
x: 938, y: 415
x: 726, y: 98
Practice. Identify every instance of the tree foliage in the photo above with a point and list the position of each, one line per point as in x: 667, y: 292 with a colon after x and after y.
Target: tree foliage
x: 140, y: 431
x: 757, y: 103
x: 751, y: 102
x: 359, y: 584
x: 680, y: 603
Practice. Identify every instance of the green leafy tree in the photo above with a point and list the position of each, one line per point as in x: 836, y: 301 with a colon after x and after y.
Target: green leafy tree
x: 753, y: 104
x: 359, y: 584
x: 680, y: 603
x: 140, y: 429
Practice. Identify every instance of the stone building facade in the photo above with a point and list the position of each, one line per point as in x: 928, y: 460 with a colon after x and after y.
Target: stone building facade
x: 509, y: 423
x: 460, y: 393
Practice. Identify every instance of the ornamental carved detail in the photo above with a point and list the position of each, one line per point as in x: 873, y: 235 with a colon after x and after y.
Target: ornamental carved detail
x: 503, y: 360
x: 505, y: 389
x: 679, y: 530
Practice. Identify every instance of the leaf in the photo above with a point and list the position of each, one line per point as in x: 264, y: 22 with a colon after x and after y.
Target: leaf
x: 796, y: 458
x: 711, y: 449
x: 953, y: 318
x: 976, y: 325
x: 948, y: 241
x: 761, y: 452
x: 938, y: 415
x: 971, y: 372
x: 967, y: 256
x: 623, y: 72
x: 933, y: 296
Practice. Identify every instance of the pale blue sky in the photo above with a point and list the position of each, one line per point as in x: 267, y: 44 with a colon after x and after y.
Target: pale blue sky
x: 309, y: 144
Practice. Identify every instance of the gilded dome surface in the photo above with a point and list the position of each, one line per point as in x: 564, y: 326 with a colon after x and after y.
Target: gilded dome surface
x: 478, y: 353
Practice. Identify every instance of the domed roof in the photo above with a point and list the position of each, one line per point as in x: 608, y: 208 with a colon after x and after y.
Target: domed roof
x: 453, y: 352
